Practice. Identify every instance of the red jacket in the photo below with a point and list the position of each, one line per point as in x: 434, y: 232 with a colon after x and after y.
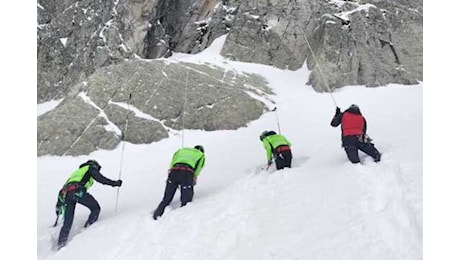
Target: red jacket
x: 352, y: 124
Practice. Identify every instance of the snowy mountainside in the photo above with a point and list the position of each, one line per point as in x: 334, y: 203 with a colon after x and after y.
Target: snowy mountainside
x: 322, y: 208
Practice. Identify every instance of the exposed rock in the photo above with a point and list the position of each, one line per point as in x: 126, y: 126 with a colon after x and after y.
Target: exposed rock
x: 187, y: 26
x: 88, y: 52
x: 62, y: 131
x: 135, y: 129
x: 369, y: 43
x: 140, y: 101
x: 75, y: 37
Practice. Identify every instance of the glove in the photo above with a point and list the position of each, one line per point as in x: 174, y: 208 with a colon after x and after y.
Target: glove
x: 337, y: 110
x: 118, y: 183
x: 269, y: 163
x: 59, y: 208
x: 367, y: 139
x: 194, y: 180
x: 60, y: 202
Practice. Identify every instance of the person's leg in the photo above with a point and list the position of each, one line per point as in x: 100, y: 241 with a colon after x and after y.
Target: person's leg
x: 170, y: 190
x: 68, y: 220
x: 90, y: 202
x: 186, y: 188
x: 370, y: 150
x: 287, y: 155
x: 352, y: 154
x: 279, y: 161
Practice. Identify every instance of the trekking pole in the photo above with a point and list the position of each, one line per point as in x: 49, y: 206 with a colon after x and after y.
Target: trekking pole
x: 123, y: 134
x: 184, y: 108
x: 277, y: 121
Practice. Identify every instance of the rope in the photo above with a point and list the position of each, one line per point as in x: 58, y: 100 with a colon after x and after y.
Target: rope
x: 319, y: 66
x: 123, y: 134
x: 184, y: 107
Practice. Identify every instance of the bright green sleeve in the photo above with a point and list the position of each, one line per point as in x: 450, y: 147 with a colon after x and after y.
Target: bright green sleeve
x: 199, y: 166
x: 268, y: 149
x: 173, y: 161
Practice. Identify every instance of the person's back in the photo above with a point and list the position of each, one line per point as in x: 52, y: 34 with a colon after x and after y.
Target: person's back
x: 189, y: 156
x: 278, y: 147
x: 184, y: 169
x: 354, y: 137
x: 75, y: 191
x: 277, y: 140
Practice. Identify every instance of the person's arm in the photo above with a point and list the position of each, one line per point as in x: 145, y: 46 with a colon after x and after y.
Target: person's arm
x: 171, y: 164
x: 337, y: 118
x: 268, y: 149
x: 102, y: 179
x: 199, y: 166
x: 365, y: 126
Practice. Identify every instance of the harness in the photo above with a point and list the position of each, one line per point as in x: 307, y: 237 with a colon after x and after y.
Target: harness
x: 283, y: 148
x: 182, y: 167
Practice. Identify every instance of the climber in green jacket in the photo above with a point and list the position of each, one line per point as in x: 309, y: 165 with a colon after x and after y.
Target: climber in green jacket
x: 278, y: 147
x: 184, y: 169
x: 75, y: 191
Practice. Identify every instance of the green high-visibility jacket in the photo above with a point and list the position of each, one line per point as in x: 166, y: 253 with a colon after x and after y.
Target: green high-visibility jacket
x: 271, y: 142
x: 77, y: 176
x: 191, y: 157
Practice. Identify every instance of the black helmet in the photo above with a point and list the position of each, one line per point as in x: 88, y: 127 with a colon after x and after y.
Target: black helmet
x: 199, y: 147
x: 354, y: 109
x: 93, y: 163
x: 354, y: 106
x: 265, y: 134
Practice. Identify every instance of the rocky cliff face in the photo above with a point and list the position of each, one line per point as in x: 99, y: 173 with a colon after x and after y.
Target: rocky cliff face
x: 144, y: 101
x: 365, y: 42
x: 75, y: 37
x: 361, y: 42
x: 354, y: 42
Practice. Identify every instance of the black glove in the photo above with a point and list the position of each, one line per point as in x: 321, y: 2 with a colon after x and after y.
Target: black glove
x: 337, y: 110
x: 60, y: 207
x: 269, y: 163
x: 117, y: 183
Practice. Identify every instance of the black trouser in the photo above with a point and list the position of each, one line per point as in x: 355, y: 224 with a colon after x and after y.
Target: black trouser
x: 71, y: 199
x: 283, y: 159
x: 176, y: 178
x: 352, y: 144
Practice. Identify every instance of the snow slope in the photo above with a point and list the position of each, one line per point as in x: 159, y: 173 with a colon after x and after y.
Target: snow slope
x: 322, y: 208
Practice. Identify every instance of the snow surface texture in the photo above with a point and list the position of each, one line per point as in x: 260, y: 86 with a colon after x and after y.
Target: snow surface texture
x: 322, y: 208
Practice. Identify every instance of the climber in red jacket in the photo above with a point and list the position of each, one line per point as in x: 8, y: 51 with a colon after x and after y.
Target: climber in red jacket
x: 354, y: 135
